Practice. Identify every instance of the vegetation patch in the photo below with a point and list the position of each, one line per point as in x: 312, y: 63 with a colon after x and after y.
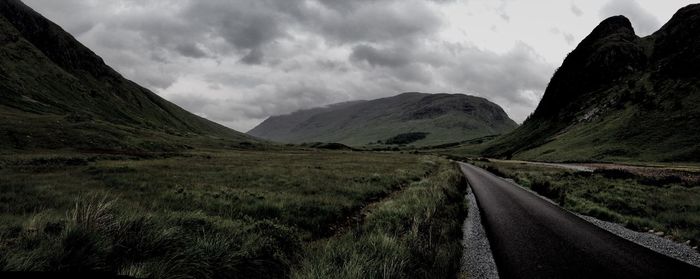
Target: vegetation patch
x: 413, y: 235
x: 328, y: 145
x: 406, y: 138
x: 237, y: 214
x: 95, y: 236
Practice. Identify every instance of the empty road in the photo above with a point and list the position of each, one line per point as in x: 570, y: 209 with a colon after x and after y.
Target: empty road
x: 532, y: 238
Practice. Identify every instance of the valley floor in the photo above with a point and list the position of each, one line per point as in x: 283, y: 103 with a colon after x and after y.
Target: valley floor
x: 290, y: 213
x: 300, y: 213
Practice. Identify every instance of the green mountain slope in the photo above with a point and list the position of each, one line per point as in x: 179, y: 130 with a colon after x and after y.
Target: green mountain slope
x: 619, y: 97
x: 56, y: 93
x: 410, y: 118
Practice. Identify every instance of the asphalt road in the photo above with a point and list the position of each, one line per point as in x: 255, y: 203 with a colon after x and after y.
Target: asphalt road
x: 533, y: 238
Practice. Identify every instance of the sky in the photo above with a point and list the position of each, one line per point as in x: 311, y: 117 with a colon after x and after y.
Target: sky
x: 237, y: 62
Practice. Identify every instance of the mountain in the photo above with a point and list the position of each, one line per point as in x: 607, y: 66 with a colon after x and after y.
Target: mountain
x: 619, y: 97
x: 409, y: 118
x: 56, y: 93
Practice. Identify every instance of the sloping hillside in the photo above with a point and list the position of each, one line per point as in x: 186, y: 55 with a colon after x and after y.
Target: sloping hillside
x: 409, y: 118
x: 56, y: 93
x: 619, y: 97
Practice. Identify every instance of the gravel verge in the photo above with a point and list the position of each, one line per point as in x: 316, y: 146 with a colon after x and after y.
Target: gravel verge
x: 477, y: 259
x: 661, y: 245
x: 651, y: 241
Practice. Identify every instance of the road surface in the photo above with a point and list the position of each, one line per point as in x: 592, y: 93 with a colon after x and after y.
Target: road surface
x: 533, y: 238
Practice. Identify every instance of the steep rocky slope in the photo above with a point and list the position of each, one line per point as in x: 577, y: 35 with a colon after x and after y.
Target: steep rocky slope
x: 619, y: 97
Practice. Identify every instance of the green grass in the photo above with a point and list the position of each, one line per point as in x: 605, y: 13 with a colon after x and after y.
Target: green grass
x: 28, y: 132
x: 214, y: 214
x: 409, y: 236
x: 632, y: 134
x: 666, y: 203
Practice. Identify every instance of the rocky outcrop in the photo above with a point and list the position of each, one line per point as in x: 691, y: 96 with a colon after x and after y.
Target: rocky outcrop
x: 619, y: 96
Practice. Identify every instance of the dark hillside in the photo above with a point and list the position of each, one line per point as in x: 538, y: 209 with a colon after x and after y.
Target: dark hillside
x: 619, y: 97
x: 438, y: 118
x: 57, y: 93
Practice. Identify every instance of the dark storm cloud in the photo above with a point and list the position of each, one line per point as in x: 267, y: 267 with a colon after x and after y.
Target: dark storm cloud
x: 297, y: 96
x: 346, y: 6
x: 254, y: 57
x: 232, y: 79
x: 503, y: 76
x: 376, y: 57
x: 375, y: 21
x: 245, y: 24
x: 191, y: 50
x: 511, y: 76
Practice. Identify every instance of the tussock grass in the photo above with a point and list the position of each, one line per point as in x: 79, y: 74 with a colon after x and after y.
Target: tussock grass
x: 232, y: 214
x: 94, y: 213
x: 96, y: 237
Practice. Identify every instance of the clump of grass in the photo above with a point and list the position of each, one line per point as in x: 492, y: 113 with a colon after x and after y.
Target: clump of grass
x: 96, y: 237
x: 495, y: 170
x: 547, y: 189
x: 75, y: 243
x: 593, y: 209
x: 357, y: 256
x: 93, y: 213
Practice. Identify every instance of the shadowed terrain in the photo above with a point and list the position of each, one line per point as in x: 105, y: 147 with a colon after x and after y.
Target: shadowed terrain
x: 56, y: 93
x: 619, y: 97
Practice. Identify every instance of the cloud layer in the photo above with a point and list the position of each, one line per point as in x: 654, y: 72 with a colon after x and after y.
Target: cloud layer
x: 239, y: 62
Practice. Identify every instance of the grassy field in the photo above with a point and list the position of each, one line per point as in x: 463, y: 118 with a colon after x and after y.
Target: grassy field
x: 667, y: 202
x: 411, y: 235
x: 231, y: 214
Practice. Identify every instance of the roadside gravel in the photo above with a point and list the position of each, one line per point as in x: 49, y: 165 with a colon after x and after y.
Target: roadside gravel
x: 659, y: 244
x: 478, y: 262
x: 477, y: 259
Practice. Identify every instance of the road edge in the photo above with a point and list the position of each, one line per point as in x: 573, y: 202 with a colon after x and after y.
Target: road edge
x: 652, y: 242
x: 477, y: 257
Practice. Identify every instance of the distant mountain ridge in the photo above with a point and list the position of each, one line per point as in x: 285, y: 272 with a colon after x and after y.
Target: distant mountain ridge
x: 619, y: 97
x: 57, y: 93
x: 442, y: 118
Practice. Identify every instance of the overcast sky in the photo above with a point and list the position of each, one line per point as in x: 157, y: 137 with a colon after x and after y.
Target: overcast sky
x: 238, y: 62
